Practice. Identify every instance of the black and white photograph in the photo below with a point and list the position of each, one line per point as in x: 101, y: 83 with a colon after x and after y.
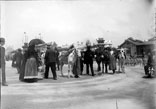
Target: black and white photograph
x: 78, y: 54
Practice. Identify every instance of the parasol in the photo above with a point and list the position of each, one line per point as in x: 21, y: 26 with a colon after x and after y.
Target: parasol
x: 36, y: 42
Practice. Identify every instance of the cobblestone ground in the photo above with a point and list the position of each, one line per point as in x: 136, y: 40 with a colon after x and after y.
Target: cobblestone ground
x: 108, y: 91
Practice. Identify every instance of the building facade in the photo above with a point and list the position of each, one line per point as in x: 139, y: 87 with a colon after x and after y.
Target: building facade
x: 138, y: 48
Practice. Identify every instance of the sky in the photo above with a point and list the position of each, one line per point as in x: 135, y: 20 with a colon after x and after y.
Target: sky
x: 69, y: 21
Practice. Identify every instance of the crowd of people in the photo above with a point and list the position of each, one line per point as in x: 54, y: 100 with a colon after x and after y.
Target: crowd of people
x: 28, y: 60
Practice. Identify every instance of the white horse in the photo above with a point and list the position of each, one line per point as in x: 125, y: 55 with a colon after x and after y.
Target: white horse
x: 121, y: 60
x: 68, y: 57
x: 71, y: 60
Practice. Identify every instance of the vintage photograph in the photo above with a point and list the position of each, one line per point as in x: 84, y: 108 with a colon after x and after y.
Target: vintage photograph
x: 78, y: 54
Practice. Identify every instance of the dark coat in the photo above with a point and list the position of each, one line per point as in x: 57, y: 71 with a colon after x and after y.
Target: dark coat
x: 2, y: 56
x: 112, y: 63
x: 50, y: 56
x: 88, y: 56
x: 98, y: 53
x: 18, y: 59
x: 106, y: 58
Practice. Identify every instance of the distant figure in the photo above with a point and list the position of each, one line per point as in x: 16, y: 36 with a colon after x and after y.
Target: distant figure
x: 2, y: 61
x: 50, y: 61
x: 112, y: 64
x: 150, y: 64
x: 32, y: 63
x: 17, y: 60
x: 88, y: 58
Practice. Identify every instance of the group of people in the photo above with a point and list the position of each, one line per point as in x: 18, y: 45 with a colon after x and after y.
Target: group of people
x: 28, y: 60
x: 27, y: 63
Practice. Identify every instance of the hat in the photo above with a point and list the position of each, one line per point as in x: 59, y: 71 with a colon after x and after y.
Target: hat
x: 19, y: 50
x: 2, y: 39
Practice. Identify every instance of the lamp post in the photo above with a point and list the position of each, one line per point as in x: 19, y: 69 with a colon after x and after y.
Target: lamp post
x: 40, y: 35
x: 25, y: 41
x: 25, y: 37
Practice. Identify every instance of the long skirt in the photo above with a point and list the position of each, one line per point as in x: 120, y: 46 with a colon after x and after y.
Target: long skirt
x: 31, y: 69
x: 77, y: 67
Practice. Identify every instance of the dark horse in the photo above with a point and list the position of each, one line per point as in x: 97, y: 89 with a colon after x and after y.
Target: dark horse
x: 102, y: 56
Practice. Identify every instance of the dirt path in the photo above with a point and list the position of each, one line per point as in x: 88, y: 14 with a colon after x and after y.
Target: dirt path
x: 118, y: 91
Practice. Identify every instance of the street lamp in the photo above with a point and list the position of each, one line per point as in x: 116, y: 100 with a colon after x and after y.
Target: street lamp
x: 25, y: 37
x: 40, y: 35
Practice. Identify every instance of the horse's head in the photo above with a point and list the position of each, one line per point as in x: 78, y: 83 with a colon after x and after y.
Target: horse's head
x: 78, y: 52
x: 121, y: 53
x: 73, y: 53
x: 111, y: 52
x: 72, y: 56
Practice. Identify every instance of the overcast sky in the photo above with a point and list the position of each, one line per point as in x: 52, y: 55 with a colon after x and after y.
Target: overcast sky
x: 66, y: 21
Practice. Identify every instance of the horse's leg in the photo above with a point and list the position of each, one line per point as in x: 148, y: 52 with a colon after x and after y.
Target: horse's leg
x: 123, y: 67
x: 119, y: 66
x: 61, y: 68
x: 69, y: 70
x: 102, y: 67
x: 98, y: 66
x: 72, y: 66
x: 106, y: 67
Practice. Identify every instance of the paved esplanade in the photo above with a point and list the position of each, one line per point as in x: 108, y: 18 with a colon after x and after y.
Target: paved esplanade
x: 118, y: 91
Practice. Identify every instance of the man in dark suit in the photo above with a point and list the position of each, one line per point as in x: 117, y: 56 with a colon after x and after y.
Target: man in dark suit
x: 88, y: 58
x: 50, y: 61
x: 2, y: 61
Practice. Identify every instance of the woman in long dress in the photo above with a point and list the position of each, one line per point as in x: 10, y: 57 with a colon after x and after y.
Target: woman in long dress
x: 31, y: 66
